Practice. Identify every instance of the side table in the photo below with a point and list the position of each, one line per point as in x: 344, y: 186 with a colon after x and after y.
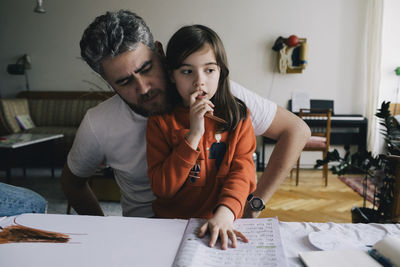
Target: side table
x: 18, y: 150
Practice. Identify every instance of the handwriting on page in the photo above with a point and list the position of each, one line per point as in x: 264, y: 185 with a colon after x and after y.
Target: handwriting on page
x: 264, y: 247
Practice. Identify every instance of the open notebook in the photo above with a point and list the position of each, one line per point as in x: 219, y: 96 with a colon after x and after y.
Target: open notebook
x: 124, y: 241
x: 264, y: 248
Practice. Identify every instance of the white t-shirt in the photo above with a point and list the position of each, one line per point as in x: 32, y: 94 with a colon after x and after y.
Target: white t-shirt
x: 113, y: 134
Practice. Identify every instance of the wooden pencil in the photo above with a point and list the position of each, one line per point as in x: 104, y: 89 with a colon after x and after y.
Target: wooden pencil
x: 208, y: 115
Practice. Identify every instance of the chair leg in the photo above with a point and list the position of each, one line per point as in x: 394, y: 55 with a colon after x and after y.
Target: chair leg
x: 68, y: 208
x: 325, y: 169
x: 297, y: 171
x: 325, y: 172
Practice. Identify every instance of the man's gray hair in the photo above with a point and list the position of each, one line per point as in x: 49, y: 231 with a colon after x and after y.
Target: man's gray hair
x: 112, y: 34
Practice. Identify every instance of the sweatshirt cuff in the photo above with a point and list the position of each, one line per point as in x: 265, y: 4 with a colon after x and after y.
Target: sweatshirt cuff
x: 187, y: 154
x: 233, y: 204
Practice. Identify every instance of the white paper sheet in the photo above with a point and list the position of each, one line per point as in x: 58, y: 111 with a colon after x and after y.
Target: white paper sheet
x: 300, y: 100
x: 295, y: 235
x: 96, y: 241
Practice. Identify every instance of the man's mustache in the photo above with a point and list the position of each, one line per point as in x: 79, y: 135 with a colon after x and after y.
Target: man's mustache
x: 151, y: 93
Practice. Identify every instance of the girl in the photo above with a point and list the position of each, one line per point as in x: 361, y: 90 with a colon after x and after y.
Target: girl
x: 200, y: 165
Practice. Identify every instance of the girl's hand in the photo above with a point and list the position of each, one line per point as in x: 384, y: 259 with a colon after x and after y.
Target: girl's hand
x: 198, y: 107
x: 221, y: 224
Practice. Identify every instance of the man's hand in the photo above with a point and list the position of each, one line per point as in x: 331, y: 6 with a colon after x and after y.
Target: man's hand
x: 221, y: 225
x: 291, y: 134
x: 249, y: 212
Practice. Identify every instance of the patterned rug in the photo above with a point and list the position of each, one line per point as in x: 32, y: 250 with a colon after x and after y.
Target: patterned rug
x: 356, y: 183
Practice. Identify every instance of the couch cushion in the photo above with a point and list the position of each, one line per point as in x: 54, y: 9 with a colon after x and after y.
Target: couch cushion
x: 316, y: 142
x: 60, y: 112
x: 11, y: 108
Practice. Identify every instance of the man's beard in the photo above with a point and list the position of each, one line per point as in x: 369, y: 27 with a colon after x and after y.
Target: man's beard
x: 156, y: 108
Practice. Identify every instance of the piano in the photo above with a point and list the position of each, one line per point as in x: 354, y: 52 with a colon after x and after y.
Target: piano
x: 346, y: 129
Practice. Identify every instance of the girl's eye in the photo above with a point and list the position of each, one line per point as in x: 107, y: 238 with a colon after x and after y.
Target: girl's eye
x: 186, y: 71
x: 210, y: 70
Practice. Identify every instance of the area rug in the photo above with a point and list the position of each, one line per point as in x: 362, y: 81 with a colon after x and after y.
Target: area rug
x: 356, y: 183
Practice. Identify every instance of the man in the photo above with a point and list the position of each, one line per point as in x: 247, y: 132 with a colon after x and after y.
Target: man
x: 120, y: 47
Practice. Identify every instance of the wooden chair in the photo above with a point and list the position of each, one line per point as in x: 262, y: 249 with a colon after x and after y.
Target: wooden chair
x: 320, y: 137
x: 103, y: 185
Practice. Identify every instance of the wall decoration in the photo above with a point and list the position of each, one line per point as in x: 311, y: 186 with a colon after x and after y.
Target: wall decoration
x: 292, y: 54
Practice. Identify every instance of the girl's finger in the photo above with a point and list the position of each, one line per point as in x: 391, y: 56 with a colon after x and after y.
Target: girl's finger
x: 203, y: 229
x: 232, y: 237
x: 197, y: 104
x: 201, y: 109
x: 206, y: 108
x: 210, y: 103
x: 241, y: 236
x: 224, y: 239
x: 193, y: 97
x: 214, y: 236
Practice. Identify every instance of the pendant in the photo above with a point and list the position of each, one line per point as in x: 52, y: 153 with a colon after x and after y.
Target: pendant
x: 218, y: 137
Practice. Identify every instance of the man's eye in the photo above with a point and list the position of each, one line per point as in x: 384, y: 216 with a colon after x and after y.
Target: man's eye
x: 146, y: 70
x: 126, y: 82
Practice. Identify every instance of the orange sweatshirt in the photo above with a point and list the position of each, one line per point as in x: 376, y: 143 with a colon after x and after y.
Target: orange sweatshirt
x: 192, y: 183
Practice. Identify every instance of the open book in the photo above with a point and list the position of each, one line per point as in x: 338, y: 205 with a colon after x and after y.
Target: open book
x: 264, y: 247
x: 25, y: 121
x: 385, y: 252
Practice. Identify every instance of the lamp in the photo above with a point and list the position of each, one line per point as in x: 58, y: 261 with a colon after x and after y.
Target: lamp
x: 19, y: 68
x: 39, y: 7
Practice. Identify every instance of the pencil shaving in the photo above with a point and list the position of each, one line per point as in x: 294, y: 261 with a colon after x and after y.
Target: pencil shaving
x: 19, y: 233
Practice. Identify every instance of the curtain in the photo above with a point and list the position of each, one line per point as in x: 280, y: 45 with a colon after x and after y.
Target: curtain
x: 374, y: 24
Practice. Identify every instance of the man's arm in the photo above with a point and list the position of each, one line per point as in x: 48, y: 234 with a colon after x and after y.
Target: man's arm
x: 291, y: 134
x: 79, y: 194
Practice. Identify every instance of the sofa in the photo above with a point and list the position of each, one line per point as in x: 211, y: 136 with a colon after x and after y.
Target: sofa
x: 52, y: 112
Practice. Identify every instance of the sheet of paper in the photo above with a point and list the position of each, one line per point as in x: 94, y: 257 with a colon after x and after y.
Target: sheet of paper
x: 389, y: 247
x: 335, y: 258
x: 264, y: 249
x: 300, y: 100
x: 96, y: 241
x: 342, y: 254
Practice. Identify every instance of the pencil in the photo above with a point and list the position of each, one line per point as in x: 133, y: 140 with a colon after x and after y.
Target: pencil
x: 208, y: 115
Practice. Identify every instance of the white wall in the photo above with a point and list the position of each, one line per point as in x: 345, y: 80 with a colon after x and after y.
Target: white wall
x: 334, y: 32
x: 390, y: 52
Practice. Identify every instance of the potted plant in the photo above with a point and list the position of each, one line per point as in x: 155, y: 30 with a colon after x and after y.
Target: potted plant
x: 378, y: 170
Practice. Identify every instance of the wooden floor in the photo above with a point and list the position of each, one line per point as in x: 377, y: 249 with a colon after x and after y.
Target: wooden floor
x: 311, y: 201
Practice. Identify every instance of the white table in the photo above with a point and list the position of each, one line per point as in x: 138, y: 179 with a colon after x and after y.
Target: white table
x: 122, y: 241
x: 24, y: 139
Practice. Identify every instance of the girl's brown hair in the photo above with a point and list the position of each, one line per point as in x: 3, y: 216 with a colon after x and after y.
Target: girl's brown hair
x: 190, y: 39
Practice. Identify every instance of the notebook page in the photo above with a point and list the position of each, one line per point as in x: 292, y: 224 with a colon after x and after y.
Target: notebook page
x: 264, y: 247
